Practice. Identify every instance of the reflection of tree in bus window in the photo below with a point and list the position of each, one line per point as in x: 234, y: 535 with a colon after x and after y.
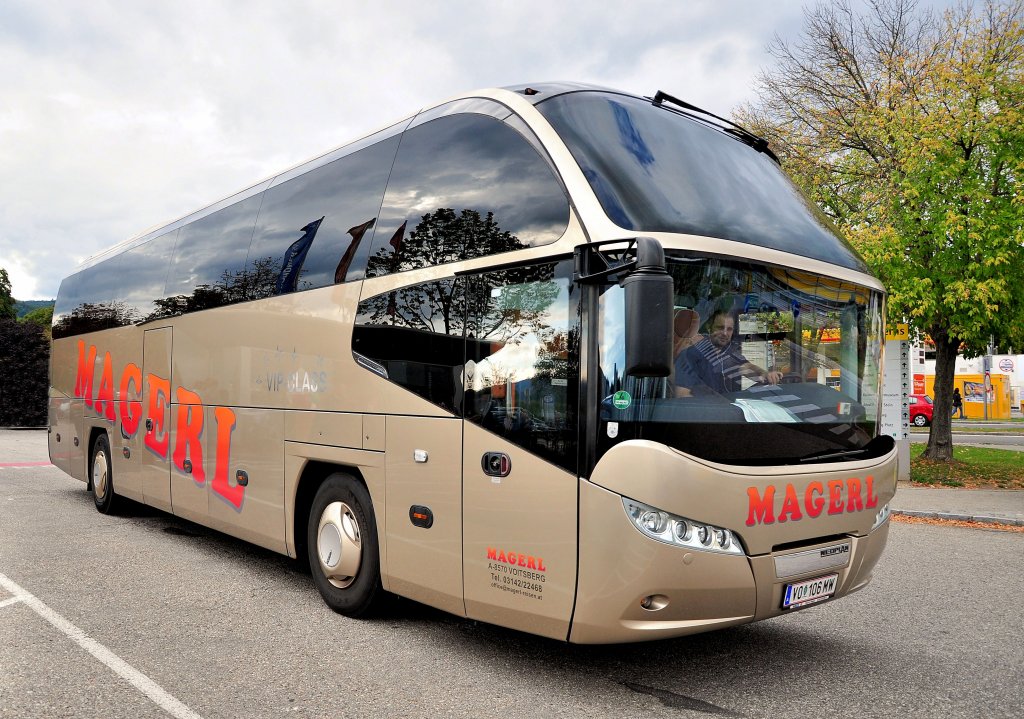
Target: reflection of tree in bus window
x: 469, y: 186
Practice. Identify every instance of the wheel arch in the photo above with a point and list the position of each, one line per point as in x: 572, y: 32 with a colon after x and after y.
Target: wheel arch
x: 94, y: 432
x: 313, y: 474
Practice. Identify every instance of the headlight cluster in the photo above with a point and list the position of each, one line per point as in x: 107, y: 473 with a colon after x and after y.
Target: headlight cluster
x: 680, y: 531
x: 883, y: 514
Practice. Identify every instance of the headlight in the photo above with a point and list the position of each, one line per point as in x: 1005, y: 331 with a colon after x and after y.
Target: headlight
x: 680, y: 531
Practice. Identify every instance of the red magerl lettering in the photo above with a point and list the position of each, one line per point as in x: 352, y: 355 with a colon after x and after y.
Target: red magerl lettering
x: 516, y: 559
x: 188, y: 421
x: 844, y: 496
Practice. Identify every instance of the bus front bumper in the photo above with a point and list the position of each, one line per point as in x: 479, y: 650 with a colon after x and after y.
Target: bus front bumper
x: 633, y: 588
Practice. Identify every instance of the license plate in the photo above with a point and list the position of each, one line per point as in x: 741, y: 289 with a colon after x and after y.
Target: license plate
x: 809, y: 591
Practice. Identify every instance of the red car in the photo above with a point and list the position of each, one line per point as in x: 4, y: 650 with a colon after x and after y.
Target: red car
x: 920, y: 409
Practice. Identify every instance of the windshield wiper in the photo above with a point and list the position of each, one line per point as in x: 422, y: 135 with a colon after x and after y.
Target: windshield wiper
x: 818, y: 456
x: 738, y: 131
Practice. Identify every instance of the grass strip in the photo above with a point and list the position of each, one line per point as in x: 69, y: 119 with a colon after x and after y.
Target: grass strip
x: 973, y: 467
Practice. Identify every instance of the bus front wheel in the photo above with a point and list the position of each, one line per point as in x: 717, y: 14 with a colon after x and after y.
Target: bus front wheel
x: 101, y: 477
x: 342, y: 544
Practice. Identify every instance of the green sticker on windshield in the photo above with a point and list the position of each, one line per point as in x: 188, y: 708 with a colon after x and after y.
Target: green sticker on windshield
x: 621, y: 399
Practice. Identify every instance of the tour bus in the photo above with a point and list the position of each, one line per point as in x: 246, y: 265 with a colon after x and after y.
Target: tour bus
x: 559, y: 358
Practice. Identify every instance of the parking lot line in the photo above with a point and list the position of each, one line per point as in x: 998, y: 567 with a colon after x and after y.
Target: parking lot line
x: 120, y: 667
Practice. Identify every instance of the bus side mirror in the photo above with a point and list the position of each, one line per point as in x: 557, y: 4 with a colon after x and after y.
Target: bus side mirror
x: 649, y: 304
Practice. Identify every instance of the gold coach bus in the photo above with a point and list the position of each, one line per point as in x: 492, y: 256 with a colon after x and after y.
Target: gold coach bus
x: 559, y: 358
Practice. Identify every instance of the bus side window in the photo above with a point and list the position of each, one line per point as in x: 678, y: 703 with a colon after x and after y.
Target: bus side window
x: 208, y: 269
x: 522, y: 370
x: 143, y: 275
x: 315, y: 229
x: 464, y: 186
x: 86, y: 301
x: 415, y: 334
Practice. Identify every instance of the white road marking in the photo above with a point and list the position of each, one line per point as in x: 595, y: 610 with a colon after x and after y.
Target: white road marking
x: 120, y: 667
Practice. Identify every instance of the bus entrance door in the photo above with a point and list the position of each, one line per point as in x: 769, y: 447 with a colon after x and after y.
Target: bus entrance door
x: 519, y: 536
x: 154, y: 463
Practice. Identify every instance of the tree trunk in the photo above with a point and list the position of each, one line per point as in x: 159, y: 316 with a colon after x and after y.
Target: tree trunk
x: 940, y: 439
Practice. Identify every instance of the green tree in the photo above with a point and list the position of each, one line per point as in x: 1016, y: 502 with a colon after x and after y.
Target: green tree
x: 42, y: 316
x: 23, y: 374
x: 7, y: 309
x: 907, y: 128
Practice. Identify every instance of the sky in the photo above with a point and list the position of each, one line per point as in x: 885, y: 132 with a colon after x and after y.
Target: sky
x: 117, y: 116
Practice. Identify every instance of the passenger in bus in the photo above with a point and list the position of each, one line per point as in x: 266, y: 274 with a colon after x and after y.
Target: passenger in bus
x: 685, y: 325
x: 716, y: 363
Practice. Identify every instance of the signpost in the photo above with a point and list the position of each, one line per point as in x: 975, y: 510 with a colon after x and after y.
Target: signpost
x: 895, y: 392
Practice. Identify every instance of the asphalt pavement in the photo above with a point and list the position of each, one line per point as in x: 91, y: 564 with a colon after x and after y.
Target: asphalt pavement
x: 990, y: 506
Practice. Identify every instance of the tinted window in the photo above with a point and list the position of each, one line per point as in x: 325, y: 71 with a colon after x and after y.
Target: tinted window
x: 209, y: 260
x: 657, y: 171
x: 86, y: 301
x: 522, y: 372
x: 413, y: 337
x: 464, y: 186
x: 144, y: 276
x: 314, y: 230
x: 68, y: 297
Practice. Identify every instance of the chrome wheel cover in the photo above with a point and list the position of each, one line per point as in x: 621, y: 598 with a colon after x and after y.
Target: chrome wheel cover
x: 99, y: 475
x: 339, y: 544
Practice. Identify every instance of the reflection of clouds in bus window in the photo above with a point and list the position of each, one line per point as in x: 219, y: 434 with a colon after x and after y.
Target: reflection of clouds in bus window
x: 146, y: 274
x: 212, y: 246
x: 516, y: 361
x: 613, y: 331
x: 526, y: 318
x: 346, y: 193
x: 475, y: 163
x: 655, y: 170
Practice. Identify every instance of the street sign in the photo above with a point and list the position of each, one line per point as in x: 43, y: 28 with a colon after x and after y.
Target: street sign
x: 899, y: 332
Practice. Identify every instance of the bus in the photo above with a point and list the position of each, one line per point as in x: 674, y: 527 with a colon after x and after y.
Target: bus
x: 563, y: 359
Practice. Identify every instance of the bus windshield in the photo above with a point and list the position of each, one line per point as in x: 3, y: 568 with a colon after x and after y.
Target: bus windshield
x: 771, y: 366
x: 657, y: 170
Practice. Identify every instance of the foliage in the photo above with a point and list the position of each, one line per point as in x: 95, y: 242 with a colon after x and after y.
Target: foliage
x: 232, y: 287
x: 24, y: 307
x: 24, y: 374
x: 907, y: 129
x: 442, y: 237
x: 42, y: 316
x: 7, y: 309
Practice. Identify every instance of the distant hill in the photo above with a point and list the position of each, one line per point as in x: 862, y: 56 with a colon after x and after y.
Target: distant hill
x: 23, y: 307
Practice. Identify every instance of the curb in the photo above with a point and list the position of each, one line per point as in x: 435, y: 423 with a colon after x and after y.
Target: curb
x: 978, y: 518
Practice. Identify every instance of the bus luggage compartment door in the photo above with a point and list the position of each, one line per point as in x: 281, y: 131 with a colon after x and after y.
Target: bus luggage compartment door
x: 424, y: 510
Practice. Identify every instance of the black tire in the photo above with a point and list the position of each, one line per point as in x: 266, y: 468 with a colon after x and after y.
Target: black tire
x: 341, y: 542
x: 101, y: 477
x: 920, y: 420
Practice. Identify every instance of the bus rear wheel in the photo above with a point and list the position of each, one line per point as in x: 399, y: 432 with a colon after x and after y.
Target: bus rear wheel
x: 341, y: 541
x: 101, y: 476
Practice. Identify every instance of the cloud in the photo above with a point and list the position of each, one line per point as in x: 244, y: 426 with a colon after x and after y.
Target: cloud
x: 118, y: 116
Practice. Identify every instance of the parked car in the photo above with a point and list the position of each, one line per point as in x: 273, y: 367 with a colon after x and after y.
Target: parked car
x: 921, y: 409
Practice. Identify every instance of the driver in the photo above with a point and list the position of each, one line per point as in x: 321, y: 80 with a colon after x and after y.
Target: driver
x: 716, y: 363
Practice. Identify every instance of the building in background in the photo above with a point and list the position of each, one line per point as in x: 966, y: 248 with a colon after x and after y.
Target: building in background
x: 1005, y: 385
